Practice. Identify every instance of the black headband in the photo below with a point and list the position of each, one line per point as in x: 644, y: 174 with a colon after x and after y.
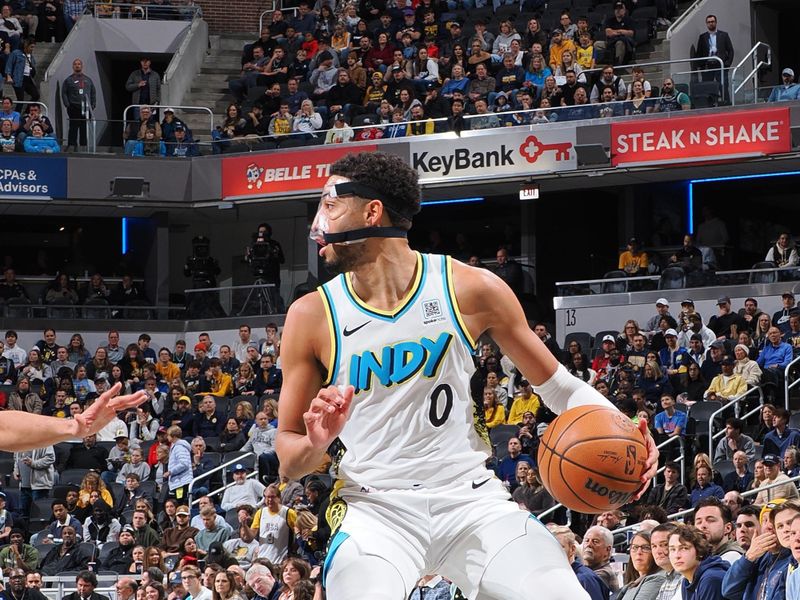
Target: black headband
x: 354, y: 188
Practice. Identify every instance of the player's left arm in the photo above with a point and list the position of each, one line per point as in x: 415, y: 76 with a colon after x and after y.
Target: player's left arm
x: 503, y: 319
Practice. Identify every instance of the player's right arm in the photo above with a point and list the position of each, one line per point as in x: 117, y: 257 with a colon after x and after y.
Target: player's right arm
x: 310, y: 416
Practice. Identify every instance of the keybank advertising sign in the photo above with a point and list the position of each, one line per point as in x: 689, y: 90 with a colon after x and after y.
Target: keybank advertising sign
x: 496, y: 155
x: 34, y: 176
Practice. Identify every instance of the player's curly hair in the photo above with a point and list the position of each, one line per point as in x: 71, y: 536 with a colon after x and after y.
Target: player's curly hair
x: 390, y: 175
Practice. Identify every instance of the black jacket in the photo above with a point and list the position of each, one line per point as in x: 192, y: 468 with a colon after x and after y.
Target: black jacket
x: 74, y: 560
x: 724, y: 47
x: 676, y: 499
x: 119, y: 559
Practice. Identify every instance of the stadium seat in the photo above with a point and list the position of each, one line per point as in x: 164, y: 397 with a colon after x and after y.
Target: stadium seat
x: 583, y: 338
x: 61, y: 308
x: 794, y: 421
x: 705, y: 94
x: 619, y: 285
x: 672, y: 278
x: 232, y: 518
x: 134, y: 312
x: 73, y: 476
x: 764, y: 277
x: 247, y: 461
x: 499, y: 437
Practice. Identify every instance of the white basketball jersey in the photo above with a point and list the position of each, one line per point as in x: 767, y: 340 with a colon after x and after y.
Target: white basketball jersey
x: 413, y: 422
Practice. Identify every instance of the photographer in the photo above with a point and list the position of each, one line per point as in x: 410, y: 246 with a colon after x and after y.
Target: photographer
x: 265, y: 257
x: 203, y: 269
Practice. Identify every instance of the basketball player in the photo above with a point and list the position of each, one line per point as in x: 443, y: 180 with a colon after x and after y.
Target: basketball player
x: 376, y: 371
x: 21, y: 430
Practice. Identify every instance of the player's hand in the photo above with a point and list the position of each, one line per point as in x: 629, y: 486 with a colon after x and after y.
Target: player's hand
x: 651, y: 464
x: 104, y: 409
x: 327, y: 415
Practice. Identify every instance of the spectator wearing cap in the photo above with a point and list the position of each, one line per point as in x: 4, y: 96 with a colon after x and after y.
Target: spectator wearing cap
x: 787, y: 90
x: 712, y: 365
x: 662, y: 310
x: 340, y: 132
x: 781, y: 318
x: 174, y: 537
x: 144, y: 84
x: 782, y: 436
x: 674, y: 359
x: 773, y: 475
x: 619, y: 34
x: 558, y: 45
x: 119, y: 455
x: 727, y: 323
x: 323, y: 78
x: 727, y: 385
x: 243, y: 491
x: 774, y: 358
x: 183, y: 146
x: 434, y: 106
x: 168, y: 125
x: 634, y: 260
x: 600, y: 362
x: 695, y: 327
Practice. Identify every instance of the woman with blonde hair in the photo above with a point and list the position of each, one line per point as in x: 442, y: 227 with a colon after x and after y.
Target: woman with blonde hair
x: 493, y: 412
x: 305, y: 535
x: 244, y: 382
x: 92, y: 483
x: 625, y: 337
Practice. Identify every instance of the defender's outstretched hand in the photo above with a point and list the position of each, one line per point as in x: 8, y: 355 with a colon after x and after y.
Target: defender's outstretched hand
x: 104, y: 409
x: 651, y: 465
x: 20, y: 430
x: 327, y: 415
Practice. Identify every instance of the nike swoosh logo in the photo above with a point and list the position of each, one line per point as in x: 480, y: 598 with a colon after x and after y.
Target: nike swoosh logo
x: 347, y: 332
x: 475, y: 486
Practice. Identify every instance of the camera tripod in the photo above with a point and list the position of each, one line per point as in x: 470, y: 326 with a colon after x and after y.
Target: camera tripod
x: 261, y: 295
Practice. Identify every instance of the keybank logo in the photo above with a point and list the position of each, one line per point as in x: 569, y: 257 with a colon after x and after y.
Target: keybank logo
x: 514, y: 154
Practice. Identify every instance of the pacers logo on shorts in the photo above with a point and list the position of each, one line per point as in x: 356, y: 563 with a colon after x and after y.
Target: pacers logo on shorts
x: 337, y: 509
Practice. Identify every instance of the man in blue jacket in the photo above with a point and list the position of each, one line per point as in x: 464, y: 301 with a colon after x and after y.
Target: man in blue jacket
x: 761, y: 573
x: 781, y: 437
x: 774, y: 358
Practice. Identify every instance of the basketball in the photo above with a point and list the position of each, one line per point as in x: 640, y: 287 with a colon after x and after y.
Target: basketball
x: 591, y: 459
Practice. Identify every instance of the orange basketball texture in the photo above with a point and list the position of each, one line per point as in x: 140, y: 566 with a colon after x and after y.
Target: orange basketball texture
x: 591, y: 459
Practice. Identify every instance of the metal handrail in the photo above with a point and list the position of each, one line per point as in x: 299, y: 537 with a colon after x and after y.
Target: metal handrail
x: 786, y: 385
x: 164, y: 9
x: 687, y: 511
x: 156, y: 107
x: 656, y: 63
x: 45, y: 110
x: 224, y: 487
x: 753, y: 52
x: 732, y: 403
x: 216, y: 469
x: 230, y: 287
x: 663, y: 444
x: 684, y: 16
x: 655, y: 277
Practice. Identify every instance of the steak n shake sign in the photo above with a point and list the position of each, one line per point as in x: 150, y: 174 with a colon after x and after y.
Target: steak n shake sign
x: 708, y: 137
x: 499, y: 155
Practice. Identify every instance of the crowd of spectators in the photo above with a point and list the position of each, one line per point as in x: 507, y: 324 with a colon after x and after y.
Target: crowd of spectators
x: 119, y: 501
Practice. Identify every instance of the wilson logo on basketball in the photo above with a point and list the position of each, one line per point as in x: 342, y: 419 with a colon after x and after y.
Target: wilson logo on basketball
x: 614, y: 497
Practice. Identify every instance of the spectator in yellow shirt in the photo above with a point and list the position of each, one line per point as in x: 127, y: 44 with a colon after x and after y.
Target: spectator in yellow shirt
x: 166, y: 369
x: 221, y: 383
x: 634, y: 261
x: 493, y: 412
x: 525, y: 400
x: 727, y: 385
x: 558, y: 44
